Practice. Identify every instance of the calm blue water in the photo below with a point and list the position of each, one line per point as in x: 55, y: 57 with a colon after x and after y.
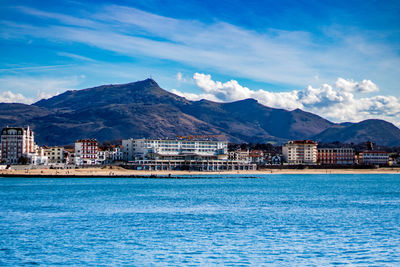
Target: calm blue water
x: 270, y: 220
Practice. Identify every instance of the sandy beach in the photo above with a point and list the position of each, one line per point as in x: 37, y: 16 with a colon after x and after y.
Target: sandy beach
x: 121, y: 172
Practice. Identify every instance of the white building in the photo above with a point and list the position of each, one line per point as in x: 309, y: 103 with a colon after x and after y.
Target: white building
x: 167, y: 154
x: 140, y: 149
x: 55, y: 154
x: 257, y: 156
x: 16, y: 143
x: 374, y: 158
x: 300, y: 152
x: 114, y: 154
x: 86, y: 152
x: 241, y: 155
x: 103, y: 156
x: 39, y: 157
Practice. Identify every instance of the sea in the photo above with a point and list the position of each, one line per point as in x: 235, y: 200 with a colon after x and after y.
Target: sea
x: 259, y: 220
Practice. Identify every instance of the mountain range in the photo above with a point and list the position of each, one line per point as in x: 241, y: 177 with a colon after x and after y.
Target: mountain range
x: 143, y: 109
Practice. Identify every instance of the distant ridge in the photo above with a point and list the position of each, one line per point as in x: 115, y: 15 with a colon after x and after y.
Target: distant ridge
x: 380, y: 131
x: 143, y: 109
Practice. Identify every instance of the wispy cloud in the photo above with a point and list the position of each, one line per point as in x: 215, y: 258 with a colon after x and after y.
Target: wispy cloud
x: 34, y: 68
x: 274, y: 56
x: 75, y: 56
x: 66, y: 19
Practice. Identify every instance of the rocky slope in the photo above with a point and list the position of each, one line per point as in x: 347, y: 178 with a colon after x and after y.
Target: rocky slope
x: 143, y: 109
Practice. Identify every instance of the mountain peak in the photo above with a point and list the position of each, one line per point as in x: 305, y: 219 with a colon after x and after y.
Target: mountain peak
x: 147, y: 82
x: 298, y: 110
x: 248, y: 100
x: 146, y: 91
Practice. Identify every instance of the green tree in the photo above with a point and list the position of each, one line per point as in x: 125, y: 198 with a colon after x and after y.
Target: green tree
x: 23, y: 160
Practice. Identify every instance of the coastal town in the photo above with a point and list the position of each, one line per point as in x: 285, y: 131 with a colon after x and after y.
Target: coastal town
x: 193, y: 153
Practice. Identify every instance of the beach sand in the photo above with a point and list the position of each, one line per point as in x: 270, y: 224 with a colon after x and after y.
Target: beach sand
x: 118, y: 171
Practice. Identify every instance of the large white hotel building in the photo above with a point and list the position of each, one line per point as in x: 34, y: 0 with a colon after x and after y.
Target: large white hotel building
x: 139, y: 149
x: 173, y: 154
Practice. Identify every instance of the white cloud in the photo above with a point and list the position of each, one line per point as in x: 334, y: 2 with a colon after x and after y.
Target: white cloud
x: 179, y: 77
x: 68, y: 20
x: 43, y: 95
x: 338, y: 103
x: 34, y: 68
x: 10, y: 97
x: 232, y: 91
x: 195, y: 97
x: 273, y: 56
x: 75, y: 56
x: 366, y: 86
x: 31, y: 89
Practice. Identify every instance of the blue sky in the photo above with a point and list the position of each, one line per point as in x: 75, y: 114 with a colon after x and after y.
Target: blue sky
x: 339, y: 59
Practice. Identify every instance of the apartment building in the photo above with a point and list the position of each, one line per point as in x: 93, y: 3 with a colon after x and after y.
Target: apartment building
x: 373, y: 158
x: 86, y: 152
x: 240, y: 154
x: 300, y: 152
x: 335, y: 156
x: 16, y: 143
x: 55, y: 154
x: 116, y: 154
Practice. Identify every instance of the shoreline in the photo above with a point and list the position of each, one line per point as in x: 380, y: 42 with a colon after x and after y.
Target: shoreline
x: 124, y: 173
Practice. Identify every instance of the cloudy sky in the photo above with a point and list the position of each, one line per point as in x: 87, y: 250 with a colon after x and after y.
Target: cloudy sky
x: 338, y: 59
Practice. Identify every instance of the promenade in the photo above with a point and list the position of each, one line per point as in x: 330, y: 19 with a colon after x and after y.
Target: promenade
x: 120, y: 172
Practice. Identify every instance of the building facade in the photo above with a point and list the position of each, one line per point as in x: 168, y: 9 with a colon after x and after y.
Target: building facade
x: 102, y: 156
x: 55, y: 154
x: 116, y: 154
x: 300, y: 152
x: 373, y: 158
x: 168, y: 154
x: 335, y: 156
x: 240, y: 154
x: 276, y: 160
x: 192, y: 165
x: 16, y: 143
x: 110, y: 155
x: 39, y: 157
x: 170, y: 149
x: 257, y: 156
x: 86, y: 152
